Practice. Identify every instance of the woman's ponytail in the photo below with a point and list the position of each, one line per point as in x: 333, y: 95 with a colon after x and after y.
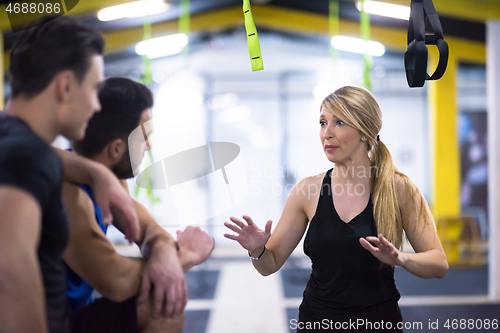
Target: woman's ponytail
x: 385, y: 202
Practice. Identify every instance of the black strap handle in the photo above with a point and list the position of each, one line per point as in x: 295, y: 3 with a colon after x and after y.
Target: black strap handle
x: 416, y: 54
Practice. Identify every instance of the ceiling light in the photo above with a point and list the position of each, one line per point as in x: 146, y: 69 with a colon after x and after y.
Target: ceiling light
x: 133, y: 9
x: 162, y: 46
x: 386, y: 9
x: 357, y: 45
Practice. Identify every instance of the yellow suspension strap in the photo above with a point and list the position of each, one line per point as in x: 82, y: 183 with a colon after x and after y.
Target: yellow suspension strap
x: 185, y: 21
x: 333, y: 24
x: 365, y: 34
x: 252, y: 38
x: 147, y: 78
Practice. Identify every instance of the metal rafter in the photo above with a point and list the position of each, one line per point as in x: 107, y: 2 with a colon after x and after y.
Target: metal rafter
x: 284, y: 19
x: 83, y: 7
x: 472, y: 10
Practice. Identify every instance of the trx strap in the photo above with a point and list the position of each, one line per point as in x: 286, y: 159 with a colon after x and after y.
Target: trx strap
x: 252, y: 38
x: 416, y: 54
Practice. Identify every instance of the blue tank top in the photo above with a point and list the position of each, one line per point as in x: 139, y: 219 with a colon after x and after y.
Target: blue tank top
x: 345, y: 277
x: 78, y: 291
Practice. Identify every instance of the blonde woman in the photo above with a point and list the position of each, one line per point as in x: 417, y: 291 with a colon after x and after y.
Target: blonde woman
x: 357, y: 212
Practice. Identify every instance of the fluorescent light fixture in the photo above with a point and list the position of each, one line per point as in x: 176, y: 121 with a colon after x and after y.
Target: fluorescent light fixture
x: 386, y: 9
x: 162, y: 46
x: 357, y: 45
x: 133, y: 9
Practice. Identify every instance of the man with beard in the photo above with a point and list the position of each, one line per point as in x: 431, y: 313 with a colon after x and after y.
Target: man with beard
x: 128, y: 304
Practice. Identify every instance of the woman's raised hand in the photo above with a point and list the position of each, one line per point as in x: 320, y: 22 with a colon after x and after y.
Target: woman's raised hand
x: 250, y: 236
x: 383, y: 250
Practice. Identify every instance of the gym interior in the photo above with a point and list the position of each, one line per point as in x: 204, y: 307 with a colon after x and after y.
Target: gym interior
x: 444, y: 136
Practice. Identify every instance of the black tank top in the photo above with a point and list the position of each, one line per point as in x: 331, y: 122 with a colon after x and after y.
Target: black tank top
x: 345, y: 277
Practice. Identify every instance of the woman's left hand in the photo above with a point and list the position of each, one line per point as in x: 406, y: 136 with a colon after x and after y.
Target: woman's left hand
x: 384, y: 250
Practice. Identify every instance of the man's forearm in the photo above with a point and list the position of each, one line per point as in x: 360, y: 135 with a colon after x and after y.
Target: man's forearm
x: 155, y: 239
x: 77, y: 169
x: 186, y: 260
x: 151, y: 233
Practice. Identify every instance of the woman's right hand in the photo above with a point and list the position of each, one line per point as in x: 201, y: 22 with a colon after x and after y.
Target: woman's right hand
x: 250, y: 236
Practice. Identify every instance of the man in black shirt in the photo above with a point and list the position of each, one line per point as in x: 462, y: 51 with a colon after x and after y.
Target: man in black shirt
x: 56, y: 69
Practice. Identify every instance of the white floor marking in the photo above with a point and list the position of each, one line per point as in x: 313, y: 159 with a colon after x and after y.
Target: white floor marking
x: 246, y: 302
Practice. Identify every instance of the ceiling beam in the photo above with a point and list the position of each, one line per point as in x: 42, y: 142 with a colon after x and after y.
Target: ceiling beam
x: 285, y: 20
x: 472, y: 10
x: 304, y: 22
x: 210, y: 21
x: 83, y: 7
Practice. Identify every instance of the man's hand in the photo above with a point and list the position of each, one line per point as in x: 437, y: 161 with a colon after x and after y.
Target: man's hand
x: 164, y: 274
x: 112, y: 198
x: 195, y: 245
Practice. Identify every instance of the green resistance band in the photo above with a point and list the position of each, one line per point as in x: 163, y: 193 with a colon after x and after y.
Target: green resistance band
x: 333, y: 23
x: 185, y: 21
x: 365, y: 34
x: 252, y: 38
x: 148, y: 78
